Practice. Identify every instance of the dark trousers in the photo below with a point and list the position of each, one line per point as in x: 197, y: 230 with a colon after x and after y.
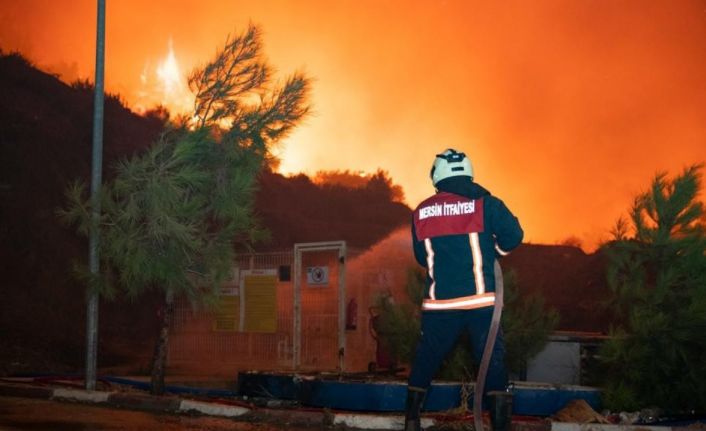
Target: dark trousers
x: 441, y: 329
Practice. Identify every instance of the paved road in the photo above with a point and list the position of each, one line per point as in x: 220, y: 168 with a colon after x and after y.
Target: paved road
x: 40, y: 415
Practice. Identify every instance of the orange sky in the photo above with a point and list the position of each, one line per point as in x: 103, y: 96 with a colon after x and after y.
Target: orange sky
x: 567, y: 108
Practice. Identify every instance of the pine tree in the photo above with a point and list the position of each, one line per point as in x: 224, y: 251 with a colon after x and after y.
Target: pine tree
x: 657, y: 350
x: 172, y: 216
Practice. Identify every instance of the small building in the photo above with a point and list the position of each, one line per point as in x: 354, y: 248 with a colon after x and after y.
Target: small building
x: 566, y: 359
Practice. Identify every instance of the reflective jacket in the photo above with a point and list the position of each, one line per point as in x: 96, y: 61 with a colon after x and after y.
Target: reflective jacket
x: 457, y: 238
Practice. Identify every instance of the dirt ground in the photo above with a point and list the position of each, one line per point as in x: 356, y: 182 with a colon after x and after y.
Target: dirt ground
x: 40, y: 415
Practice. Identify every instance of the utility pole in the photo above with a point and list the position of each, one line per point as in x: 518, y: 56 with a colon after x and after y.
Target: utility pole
x: 96, y: 179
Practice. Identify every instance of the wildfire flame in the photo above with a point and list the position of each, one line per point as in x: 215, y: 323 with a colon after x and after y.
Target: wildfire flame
x: 165, y: 85
x: 168, y: 72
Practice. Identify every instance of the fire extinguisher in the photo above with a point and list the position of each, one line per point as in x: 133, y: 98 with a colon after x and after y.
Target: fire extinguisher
x: 352, y: 314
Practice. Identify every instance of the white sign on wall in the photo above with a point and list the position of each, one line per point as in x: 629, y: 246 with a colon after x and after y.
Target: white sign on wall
x: 317, y: 275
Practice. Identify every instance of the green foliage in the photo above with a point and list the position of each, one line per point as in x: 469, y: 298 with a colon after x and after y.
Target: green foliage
x: 170, y: 217
x: 658, y: 278
x: 526, y: 325
x: 398, y: 324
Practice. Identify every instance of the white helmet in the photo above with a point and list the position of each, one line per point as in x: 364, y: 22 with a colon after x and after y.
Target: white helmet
x: 451, y: 163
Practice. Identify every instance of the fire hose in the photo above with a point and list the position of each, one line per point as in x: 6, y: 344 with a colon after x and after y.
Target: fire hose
x: 488, y: 351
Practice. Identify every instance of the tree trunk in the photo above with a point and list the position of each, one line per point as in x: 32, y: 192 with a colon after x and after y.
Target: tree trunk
x: 159, y: 362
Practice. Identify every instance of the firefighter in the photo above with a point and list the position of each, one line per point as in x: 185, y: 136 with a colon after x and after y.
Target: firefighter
x: 457, y: 234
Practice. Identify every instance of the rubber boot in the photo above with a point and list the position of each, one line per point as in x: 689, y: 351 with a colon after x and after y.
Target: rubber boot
x: 415, y: 399
x: 500, y: 403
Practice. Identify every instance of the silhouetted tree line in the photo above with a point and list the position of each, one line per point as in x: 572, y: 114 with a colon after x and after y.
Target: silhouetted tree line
x: 297, y: 209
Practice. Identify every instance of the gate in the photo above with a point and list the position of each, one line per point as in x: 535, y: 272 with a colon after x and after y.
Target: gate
x: 319, y: 306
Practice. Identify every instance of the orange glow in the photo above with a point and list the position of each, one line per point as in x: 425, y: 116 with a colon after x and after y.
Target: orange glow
x: 566, y: 108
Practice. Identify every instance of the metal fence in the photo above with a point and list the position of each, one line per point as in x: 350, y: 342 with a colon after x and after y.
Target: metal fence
x: 214, y: 339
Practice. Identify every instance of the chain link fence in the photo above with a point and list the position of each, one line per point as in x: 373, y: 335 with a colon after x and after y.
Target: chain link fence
x: 252, y: 326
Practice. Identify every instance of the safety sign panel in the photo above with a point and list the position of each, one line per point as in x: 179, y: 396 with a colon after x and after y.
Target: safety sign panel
x: 250, y: 305
x: 317, y: 275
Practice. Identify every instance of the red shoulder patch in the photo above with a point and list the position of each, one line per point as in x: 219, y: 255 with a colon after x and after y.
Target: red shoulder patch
x: 448, y: 214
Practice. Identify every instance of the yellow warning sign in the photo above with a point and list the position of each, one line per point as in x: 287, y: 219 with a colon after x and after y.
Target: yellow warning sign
x: 258, y: 301
x: 248, y: 304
